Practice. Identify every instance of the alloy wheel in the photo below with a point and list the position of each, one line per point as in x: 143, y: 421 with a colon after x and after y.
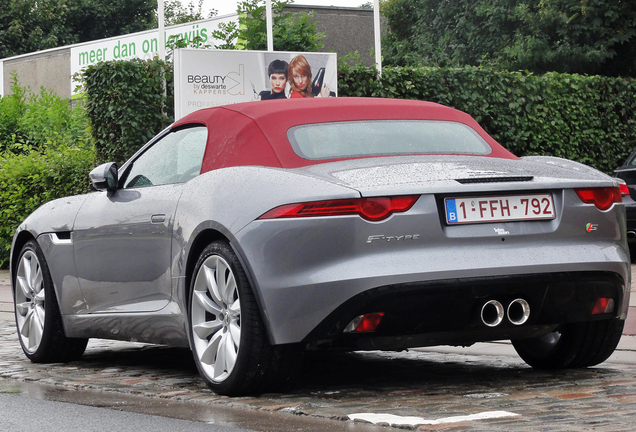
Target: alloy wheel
x: 216, y: 318
x: 30, y: 301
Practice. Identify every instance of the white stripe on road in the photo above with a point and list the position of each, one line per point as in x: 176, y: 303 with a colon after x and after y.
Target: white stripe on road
x: 395, y: 420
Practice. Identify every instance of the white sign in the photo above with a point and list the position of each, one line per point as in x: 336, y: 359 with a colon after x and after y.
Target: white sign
x: 142, y: 45
x: 208, y: 78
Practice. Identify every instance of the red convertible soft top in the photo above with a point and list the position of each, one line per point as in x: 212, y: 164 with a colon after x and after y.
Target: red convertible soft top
x: 255, y: 133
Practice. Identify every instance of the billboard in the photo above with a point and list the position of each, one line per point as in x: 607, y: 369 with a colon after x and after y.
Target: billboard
x: 208, y: 78
x: 142, y: 45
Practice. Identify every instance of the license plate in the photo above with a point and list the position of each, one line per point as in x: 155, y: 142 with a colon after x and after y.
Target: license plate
x: 499, y: 208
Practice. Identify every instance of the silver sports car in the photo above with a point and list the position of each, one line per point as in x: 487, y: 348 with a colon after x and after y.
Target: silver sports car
x: 252, y: 232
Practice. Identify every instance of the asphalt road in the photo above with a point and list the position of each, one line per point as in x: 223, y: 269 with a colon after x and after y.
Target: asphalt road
x: 21, y: 414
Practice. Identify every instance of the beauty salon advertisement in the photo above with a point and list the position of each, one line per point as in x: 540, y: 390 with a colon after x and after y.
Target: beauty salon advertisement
x: 208, y: 78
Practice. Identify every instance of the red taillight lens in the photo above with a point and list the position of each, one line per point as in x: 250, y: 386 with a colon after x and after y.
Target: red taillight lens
x: 602, y: 198
x: 372, y: 209
x: 623, y: 187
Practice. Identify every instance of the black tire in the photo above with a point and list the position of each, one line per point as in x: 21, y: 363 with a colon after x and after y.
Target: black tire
x: 37, y: 312
x: 229, y: 342
x: 576, y: 345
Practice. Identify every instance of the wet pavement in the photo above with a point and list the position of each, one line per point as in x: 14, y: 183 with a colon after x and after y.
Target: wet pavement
x: 484, y: 387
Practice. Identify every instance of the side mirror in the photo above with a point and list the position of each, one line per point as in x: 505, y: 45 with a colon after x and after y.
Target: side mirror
x: 104, y: 177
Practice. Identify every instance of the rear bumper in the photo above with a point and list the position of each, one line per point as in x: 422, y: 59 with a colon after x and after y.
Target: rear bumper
x: 448, y: 312
x: 304, y: 270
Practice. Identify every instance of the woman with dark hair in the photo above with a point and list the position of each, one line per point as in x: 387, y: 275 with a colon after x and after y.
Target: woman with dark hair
x: 277, y: 72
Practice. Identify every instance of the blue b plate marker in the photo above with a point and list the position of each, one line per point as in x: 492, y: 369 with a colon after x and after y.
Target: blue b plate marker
x: 451, y: 211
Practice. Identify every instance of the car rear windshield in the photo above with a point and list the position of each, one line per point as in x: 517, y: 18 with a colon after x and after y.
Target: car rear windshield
x: 385, y: 137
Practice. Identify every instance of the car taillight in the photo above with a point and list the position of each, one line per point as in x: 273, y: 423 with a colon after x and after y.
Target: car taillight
x: 622, y: 185
x: 602, y: 198
x: 371, y: 209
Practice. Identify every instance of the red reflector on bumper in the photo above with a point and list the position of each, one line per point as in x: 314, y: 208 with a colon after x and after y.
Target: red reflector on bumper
x: 364, y: 323
x: 603, y: 305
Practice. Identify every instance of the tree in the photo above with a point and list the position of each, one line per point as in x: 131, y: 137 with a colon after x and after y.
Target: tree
x: 177, y: 13
x: 26, y: 28
x: 291, y: 32
x: 574, y: 36
x: 98, y: 19
x: 32, y: 25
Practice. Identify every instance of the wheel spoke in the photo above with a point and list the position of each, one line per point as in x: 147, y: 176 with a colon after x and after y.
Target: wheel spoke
x: 230, y: 288
x: 23, y: 284
x: 209, y: 354
x: 22, y: 308
x: 26, y: 269
x: 235, y: 309
x: 38, y: 282
x: 206, y: 303
x: 204, y: 330
x: 213, y: 288
x: 39, y: 297
x: 235, y: 323
x: 39, y: 313
x: 221, y: 280
x: 26, y: 327
x: 230, y: 352
x: 235, y: 334
x: 34, y: 276
x: 221, y: 357
x: 36, y: 330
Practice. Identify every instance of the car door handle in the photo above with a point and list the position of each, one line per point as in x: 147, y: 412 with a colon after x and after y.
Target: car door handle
x: 158, y: 218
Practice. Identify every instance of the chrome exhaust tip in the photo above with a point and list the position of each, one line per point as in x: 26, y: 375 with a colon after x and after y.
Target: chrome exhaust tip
x: 492, y: 313
x: 518, y: 311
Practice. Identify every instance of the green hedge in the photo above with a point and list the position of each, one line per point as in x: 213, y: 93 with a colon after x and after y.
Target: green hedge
x: 590, y: 119
x: 32, y: 178
x: 126, y: 105
x: 39, y: 119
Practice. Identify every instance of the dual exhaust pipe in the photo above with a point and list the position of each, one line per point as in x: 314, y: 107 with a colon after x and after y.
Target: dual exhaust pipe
x: 493, y: 312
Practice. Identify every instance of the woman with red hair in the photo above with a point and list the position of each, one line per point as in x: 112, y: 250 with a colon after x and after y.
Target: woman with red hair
x: 299, y: 73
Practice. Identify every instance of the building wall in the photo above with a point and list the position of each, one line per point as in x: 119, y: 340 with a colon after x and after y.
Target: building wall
x: 50, y: 68
x: 346, y: 30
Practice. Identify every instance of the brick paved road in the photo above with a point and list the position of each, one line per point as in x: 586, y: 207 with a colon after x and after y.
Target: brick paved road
x: 428, y: 384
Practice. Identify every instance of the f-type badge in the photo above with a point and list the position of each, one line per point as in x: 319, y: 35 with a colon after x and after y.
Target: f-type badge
x: 591, y: 227
x: 393, y: 238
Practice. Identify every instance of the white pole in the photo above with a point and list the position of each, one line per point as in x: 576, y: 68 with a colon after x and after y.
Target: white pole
x: 376, y: 31
x: 161, y: 40
x: 270, y: 32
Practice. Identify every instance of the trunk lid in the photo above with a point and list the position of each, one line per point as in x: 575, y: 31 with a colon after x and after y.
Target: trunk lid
x: 452, y: 174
